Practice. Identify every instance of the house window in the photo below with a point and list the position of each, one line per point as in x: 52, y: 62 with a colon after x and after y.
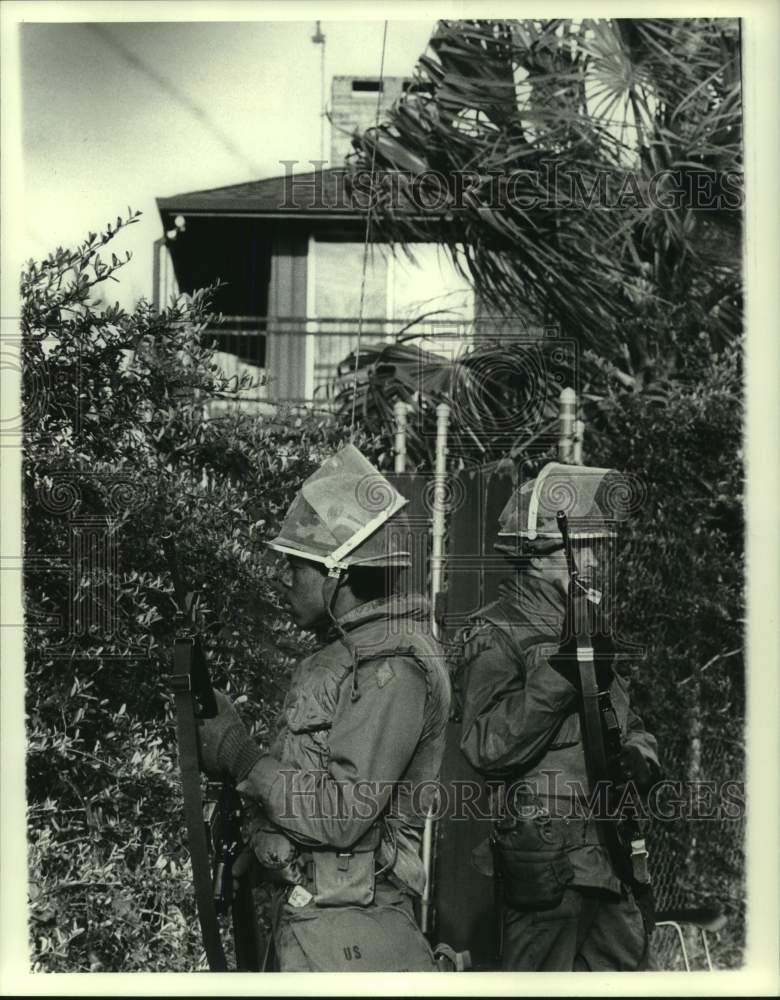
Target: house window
x: 338, y: 270
x: 397, y: 292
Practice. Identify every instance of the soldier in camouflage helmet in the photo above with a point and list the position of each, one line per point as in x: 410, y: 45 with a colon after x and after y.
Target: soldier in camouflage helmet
x: 564, y: 905
x: 336, y: 809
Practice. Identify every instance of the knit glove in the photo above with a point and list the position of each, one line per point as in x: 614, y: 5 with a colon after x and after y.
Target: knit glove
x: 224, y: 743
x: 276, y: 853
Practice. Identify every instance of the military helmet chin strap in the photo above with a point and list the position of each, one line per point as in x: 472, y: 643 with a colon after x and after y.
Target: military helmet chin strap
x: 330, y: 587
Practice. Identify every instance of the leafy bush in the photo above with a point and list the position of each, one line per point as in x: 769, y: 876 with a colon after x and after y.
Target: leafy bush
x: 119, y: 447
x: 680, y: 594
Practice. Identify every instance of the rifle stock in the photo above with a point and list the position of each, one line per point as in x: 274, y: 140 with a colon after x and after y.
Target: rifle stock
x: 187, y: 645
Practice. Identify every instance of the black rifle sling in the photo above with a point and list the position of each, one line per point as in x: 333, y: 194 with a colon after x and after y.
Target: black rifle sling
x: 193, y: 803
x: 591, y: 705
x: 591, y: 712
x: 595, y: 750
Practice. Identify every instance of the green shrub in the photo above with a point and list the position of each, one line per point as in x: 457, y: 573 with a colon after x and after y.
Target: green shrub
x: 680, y: 590
x: 119, y: 447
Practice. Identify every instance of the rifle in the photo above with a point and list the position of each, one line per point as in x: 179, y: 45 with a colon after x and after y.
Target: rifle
x: 603, y: 743
x: 210, y: 825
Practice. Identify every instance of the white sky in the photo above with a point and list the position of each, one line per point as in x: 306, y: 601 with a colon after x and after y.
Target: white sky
x: 115, y: 114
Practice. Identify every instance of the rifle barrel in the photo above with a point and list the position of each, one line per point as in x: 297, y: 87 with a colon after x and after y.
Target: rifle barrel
x: 563, y: 527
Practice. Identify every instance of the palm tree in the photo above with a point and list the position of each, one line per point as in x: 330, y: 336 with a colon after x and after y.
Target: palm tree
x: 591, y: 176
x: 591, y: 181
x: 500, y: 397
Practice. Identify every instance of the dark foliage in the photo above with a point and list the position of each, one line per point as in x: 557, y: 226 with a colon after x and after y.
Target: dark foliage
x: 582, y: 172
x: 120, y: 446
x: 680, y: 589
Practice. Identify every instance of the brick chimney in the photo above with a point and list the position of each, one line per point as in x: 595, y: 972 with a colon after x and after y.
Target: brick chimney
x: 353, y: 102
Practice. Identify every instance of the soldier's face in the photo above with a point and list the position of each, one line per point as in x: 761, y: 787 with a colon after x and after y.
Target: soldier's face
x: 302, y: 582
x: 554, y: 569
x: 587, y: 561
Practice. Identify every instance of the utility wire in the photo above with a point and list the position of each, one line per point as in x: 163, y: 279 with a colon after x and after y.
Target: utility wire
x: 368, y: 233
x: 170, y: 88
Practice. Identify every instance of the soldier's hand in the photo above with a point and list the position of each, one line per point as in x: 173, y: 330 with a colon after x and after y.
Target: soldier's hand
x: 639, y: 769
x: 224, y: 743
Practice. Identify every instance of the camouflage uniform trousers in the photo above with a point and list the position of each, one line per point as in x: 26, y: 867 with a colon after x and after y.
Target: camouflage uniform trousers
x: 589, y: 931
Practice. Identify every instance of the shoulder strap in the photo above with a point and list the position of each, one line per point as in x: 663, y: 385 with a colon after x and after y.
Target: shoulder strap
x: 595, y: 705
x: 193, y: 804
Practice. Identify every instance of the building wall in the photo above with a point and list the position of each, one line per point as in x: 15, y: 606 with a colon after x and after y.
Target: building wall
x: 353, y: 106
x: 286, y: 349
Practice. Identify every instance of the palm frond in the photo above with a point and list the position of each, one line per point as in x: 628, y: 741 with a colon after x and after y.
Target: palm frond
x: 617, y: 100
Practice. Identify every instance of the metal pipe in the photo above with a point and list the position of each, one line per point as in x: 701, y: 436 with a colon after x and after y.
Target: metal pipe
x: 567, y: 413
x: 706, y: 949
x: 439, y: 503
x: 427, y: 859
x: 437, y: 581
x: 579, y: 434
x: 158, y: 296
x: 400, y: 409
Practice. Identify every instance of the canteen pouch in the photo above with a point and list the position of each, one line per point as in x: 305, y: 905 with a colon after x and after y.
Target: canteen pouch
x: 346, y: 878
x: 530, y: 860
x: 343, y: 879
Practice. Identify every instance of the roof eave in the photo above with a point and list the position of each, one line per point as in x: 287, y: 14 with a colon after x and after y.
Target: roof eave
x: 283, y: 214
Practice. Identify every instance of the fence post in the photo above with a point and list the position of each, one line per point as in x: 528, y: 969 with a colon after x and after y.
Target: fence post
x: 439, y: 503
x: 568, y: 407
x: 437, y: 580
x: 400, y: 409
x: 579, y: 434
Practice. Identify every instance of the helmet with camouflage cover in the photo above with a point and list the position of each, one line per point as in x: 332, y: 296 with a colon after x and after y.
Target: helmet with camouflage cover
x: 592, y: 499
x: 340, y: 517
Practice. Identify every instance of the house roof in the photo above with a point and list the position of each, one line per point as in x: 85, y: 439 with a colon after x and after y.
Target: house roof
x: 319, y: 191
x: 316, y: 193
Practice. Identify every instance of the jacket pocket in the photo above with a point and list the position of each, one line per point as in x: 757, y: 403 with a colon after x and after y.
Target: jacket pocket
x: 530, y: 860
x: 305, y: 714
